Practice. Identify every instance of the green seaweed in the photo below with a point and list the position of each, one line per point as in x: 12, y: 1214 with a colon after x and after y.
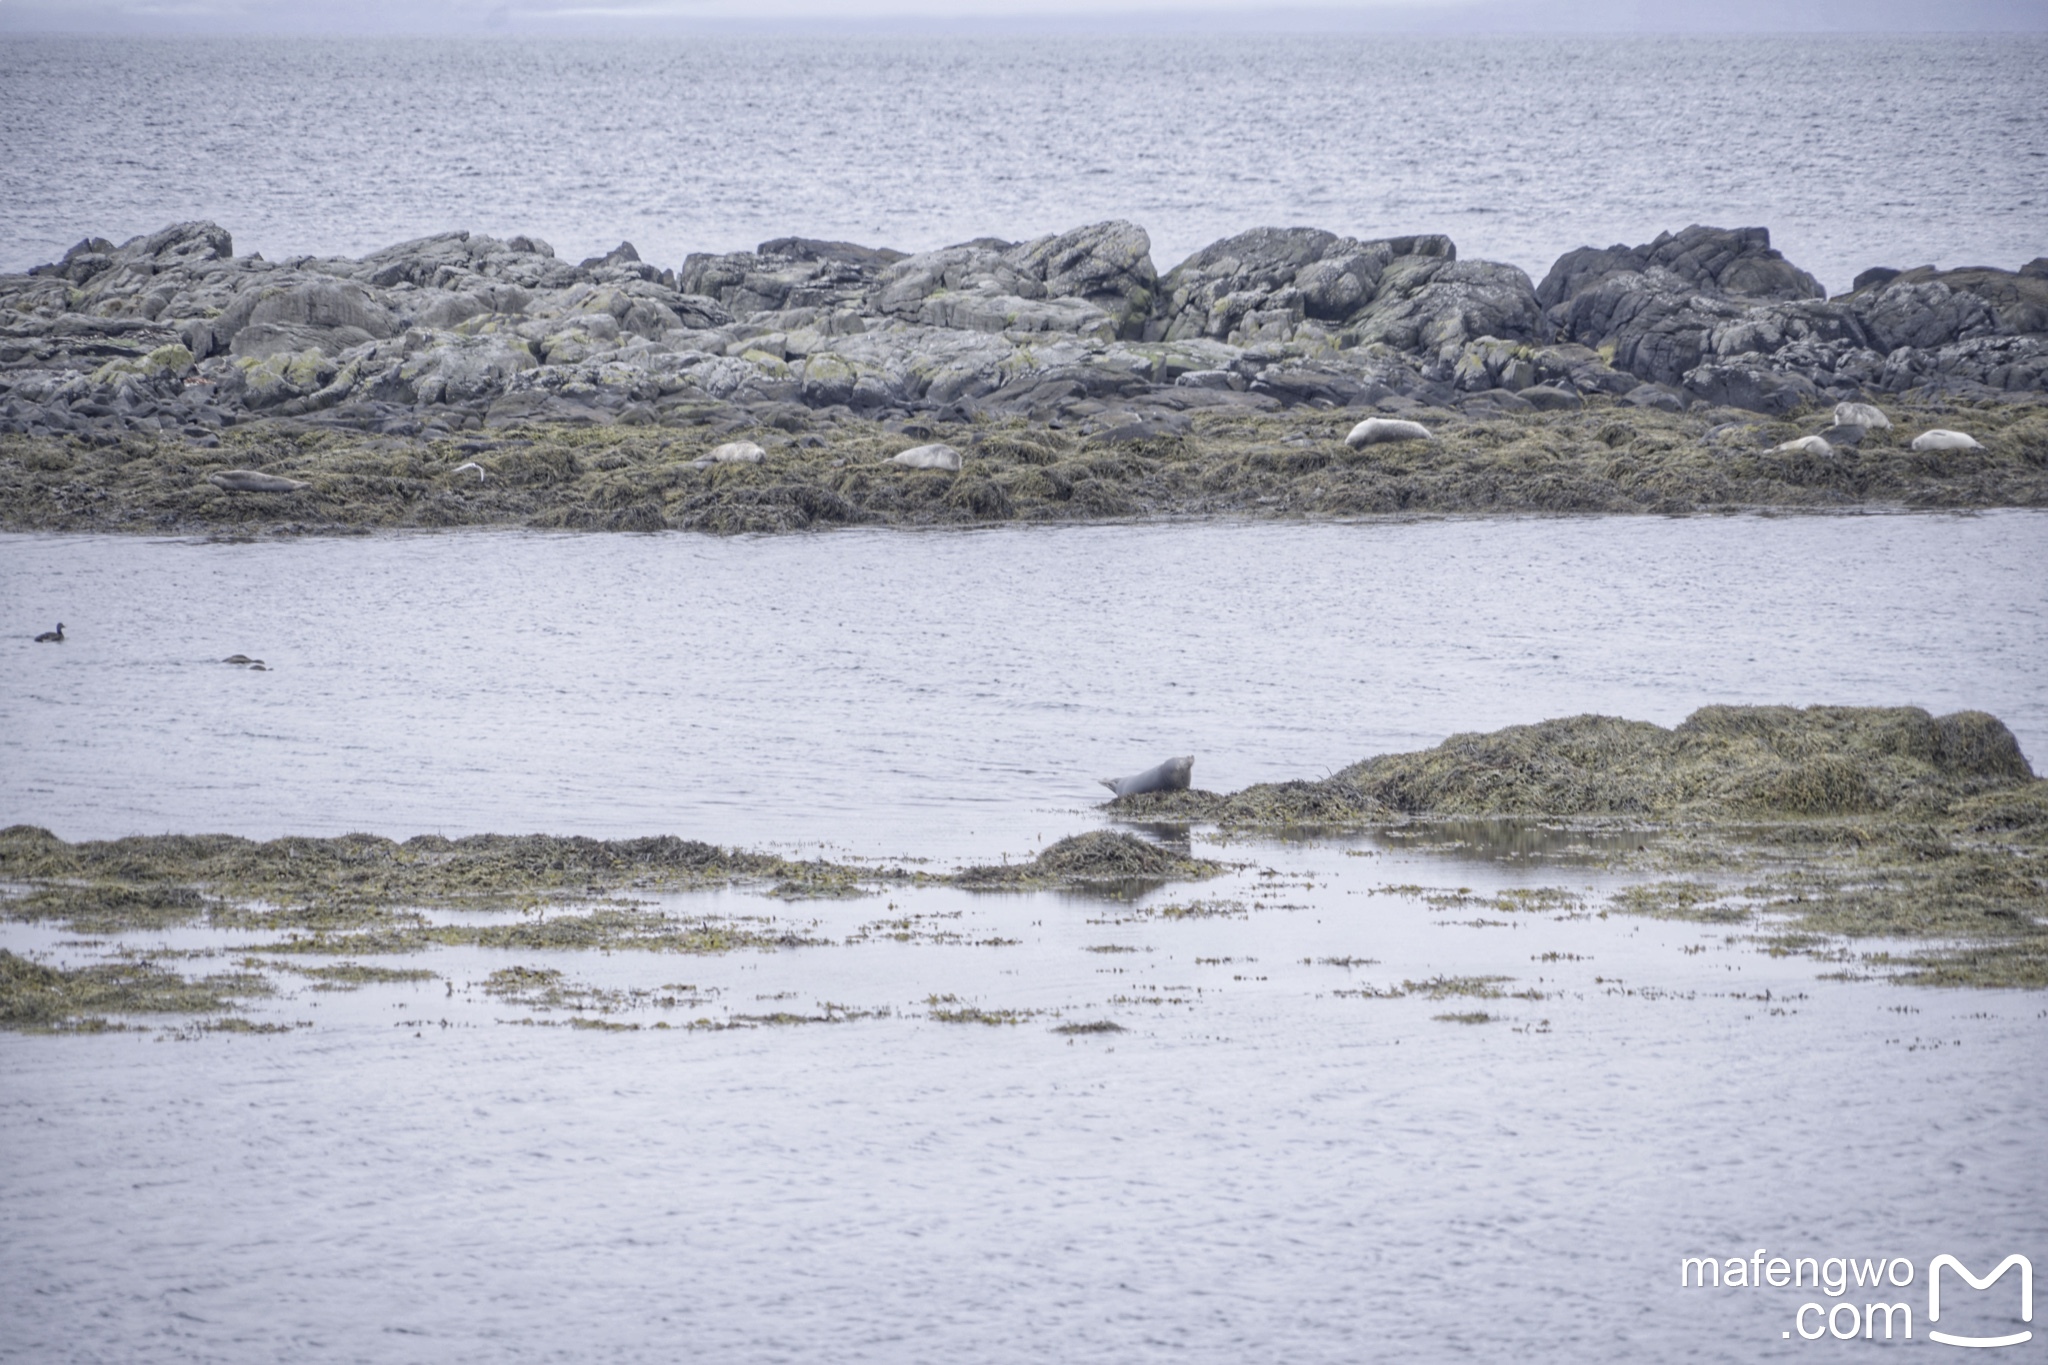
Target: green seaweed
x: 1101, y: 858
x: 35, y: 997
x: 950, y: 1009
x: 1607, y: 457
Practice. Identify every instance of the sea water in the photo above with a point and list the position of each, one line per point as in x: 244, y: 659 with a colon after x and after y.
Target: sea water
x: 1275, y: 1160
x: 1854, y: 150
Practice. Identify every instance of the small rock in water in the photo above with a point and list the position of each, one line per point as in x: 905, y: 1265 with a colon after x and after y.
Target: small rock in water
x: 1380, y: 430
x: 928, y: 457
x: 1863, y: 415
x: 252, y: 481
x: 1941, y: 438
x: 1806, y: 445
x: 737, y: 452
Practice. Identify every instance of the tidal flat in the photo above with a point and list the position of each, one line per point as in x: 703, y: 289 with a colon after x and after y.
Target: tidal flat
x: 1886, y: 842
x: 820, y: 470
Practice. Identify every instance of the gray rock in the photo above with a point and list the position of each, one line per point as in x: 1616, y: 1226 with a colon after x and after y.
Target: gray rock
x: 1733, y: 262
x: 445, y: 331
x: 1753, y: 386
x: 1654, y: 396
x: 1551, y: 398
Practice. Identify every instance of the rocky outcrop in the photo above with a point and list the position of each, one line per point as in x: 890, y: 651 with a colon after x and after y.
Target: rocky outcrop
x: 1723, y: 316
x: 172, y: 332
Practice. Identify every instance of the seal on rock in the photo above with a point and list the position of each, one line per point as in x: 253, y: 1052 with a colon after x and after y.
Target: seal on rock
x: 253, y: 481
x: 1170, y: 776
x: 737, y: 452
x: 1863, y: 415
x: 928, y: 457
x: 1807, y: 445
x: 1941, y: 438
x: 1379, y: 430
x: 52, y: 637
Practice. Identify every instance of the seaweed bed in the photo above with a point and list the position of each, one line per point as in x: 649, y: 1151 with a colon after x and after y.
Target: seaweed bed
x: 826, y: 470
x: 1845, y: 822
x: 1923, y: 836
x: 362, y: 895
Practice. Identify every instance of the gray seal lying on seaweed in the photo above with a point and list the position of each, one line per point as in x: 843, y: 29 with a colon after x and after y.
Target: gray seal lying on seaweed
x: 1170, y: 776
x: 253, y: 481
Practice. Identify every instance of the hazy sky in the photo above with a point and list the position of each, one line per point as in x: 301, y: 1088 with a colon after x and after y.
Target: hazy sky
x: 612, y: 16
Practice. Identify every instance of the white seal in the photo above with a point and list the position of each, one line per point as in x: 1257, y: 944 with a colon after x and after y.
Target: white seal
x: 1941, y: 438
x: 1807, y: 445
x: 1379, y: 430
x: 737, y: 452
x: 1860, y: 415
x: 928, y: 457
x: 252, y: 481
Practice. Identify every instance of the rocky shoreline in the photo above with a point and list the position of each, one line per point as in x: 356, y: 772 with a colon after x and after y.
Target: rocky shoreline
x: 460, y: 379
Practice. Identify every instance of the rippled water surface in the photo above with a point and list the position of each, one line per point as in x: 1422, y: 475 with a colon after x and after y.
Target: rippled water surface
x: 945, y: 694
x: 1854, y: 151
x: 1271, y: 1162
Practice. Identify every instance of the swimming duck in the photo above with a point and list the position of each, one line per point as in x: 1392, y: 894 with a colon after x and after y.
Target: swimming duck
x: 52, y: 637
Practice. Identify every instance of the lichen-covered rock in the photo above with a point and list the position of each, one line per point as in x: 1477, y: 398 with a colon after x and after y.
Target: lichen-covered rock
x: 173, y: 332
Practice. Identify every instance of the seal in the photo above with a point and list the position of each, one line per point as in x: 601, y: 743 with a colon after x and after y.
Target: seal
x: 1380, y: 430
x: 928, y: 457
x: 52, y: 637
x: 1170, y: 776
x: 253, y: 481
x: 737, y: 452
x: 1863, y: 415
x: 1941, y: 438
x: 1806, y: 445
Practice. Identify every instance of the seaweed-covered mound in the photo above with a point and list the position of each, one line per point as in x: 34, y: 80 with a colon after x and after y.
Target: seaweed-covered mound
x: 39, y: 998
x: 1101, y: 856
x: 1722, y: 762
x: 426, y: 868
x: 833, y: 467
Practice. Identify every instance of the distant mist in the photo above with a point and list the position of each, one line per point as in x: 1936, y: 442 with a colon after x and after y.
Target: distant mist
x: 598, y: 18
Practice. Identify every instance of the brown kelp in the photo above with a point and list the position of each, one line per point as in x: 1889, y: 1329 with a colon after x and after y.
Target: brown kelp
x: 827, y: 469
x: 1843, y: 822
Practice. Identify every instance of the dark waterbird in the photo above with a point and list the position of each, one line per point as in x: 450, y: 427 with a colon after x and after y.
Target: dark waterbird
x: 52, y: 637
